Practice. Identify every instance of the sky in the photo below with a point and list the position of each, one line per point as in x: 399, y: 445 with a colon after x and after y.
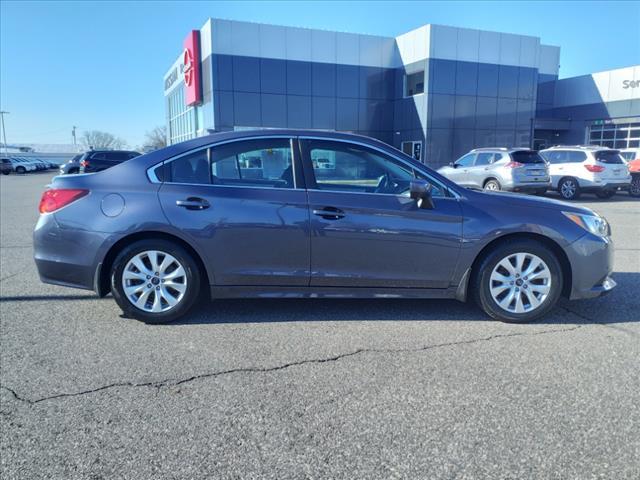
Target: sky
x: 100, y: 65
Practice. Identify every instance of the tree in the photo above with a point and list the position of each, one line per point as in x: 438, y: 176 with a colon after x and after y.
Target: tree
x: 98, y: 140
x: 156, y: 138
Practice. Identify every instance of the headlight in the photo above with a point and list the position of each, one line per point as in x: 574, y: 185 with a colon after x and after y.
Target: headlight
x: 591, y: 223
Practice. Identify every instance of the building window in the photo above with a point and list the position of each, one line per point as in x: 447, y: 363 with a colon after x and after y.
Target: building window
x: 413, y: 149
x: 414, y: 84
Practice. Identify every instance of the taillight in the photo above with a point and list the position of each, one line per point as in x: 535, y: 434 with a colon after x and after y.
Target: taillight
x: 514, y: 164
x: 56, y: 198
x: 84, y: 163
x: 594, y: 168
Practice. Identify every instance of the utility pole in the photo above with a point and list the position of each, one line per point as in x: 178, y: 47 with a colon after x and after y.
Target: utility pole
x: 4, y: 132
x: 73, y: 134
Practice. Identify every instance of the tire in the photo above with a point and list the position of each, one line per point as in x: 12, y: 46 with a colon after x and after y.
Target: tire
x: 605, y: 194
x: 185, y: 296
x: 569, y: 188
x: 6, y: 172
x: 634, y: 188
x: 534, y: 290
x: 492, y: 185
x: 21, y: 170
x: 73, y: 171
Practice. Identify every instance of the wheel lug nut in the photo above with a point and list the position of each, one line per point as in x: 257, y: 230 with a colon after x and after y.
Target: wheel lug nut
x: 148, y: 277
x: 157, y: 288
x: 517, y: 289
x: 511, y: 283
x: 156, y: 274
x: 149, y: 286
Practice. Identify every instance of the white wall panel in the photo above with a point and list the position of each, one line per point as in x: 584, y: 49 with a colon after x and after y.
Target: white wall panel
x: 529, y: 47
x: 468, y: 45
x: 509, y: 49
x: 245, y: 37
x: 489, y: 47
x: 298, y: 43
x: 444, y: 42
x: 370, y: 51
x: 323, y: 46
x: 205, y: 40
x: 273, y: 41
x: 221, y: 33
x: 549, y: 60
x: 347, y: 48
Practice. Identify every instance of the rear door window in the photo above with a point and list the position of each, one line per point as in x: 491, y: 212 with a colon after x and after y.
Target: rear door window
x: 485, y: 158
x: 576, y: 157
x: 527, y: 157
x: 608, y: 156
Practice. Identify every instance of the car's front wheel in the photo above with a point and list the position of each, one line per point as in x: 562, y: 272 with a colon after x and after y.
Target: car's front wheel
x: 492, y: 185
x: 21, y: 170
x: 155, y: 281
x: 518, y: 282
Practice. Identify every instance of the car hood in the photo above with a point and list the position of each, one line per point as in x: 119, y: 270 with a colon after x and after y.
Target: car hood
x: 518, y: 200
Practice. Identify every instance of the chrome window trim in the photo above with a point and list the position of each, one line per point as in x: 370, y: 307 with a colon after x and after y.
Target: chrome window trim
x: 236, y: 186
x: 400, y: 160
x: 154, y: 178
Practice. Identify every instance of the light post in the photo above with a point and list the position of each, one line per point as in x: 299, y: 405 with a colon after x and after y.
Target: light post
x: 4, y: 132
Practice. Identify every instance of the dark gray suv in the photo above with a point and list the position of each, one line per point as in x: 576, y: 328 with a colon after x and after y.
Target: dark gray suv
x: 285, y: 213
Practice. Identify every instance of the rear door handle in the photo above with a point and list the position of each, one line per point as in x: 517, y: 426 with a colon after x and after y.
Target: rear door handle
x: 193, y: 203
x: 329, y: 213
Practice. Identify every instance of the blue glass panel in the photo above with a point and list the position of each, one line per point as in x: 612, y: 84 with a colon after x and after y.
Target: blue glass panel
x: 246, y: 74
x: 224, y: 80
x: 323, y: 79
x: 466, y: 78
x: 442, y: 111
x: 443, y: 76
x: 274, y: 110
x: 347, y: 114
x: 506, y: 113
x: 488, y: 79
x: 486, y: 108
x: 348, y: 79
x: 526, y: 83
x: 246, y: 109
x: 298, y: 111
x: 508, y: 81
x: 298, y: 78
x: 273, y: 75
x: 465, y: 111
x: 224, y: 102
x: 324, y: 113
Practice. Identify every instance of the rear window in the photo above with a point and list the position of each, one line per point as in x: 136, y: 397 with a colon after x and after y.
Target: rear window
x: 608, y: 156
x: 628, y: 156
x: 527, y: 156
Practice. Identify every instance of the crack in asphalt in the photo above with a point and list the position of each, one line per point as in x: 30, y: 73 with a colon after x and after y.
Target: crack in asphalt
x: 173, y: 382
x: 596, y: 322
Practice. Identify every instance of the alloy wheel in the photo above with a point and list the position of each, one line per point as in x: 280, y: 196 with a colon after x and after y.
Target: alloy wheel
x: 154, y: 281
x: 568, y: 188
x: 520, y: 282
x: 493, y: 186
x: 634, y: 189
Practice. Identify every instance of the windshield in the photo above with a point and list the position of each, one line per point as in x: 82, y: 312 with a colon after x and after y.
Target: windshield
x: 527, y: 156
x: 608, y: 156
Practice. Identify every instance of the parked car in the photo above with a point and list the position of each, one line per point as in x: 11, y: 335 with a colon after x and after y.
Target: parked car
x: 632, y: 157
x: 580, y: 169
x: 72, y: 166
x: 512, y: 169
x: 98, y: 160
x: 6, y: 167
x: 246, y: 214
x: 22, y: 165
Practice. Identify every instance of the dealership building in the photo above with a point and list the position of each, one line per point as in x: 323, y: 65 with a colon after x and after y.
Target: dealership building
x: 435, y: 92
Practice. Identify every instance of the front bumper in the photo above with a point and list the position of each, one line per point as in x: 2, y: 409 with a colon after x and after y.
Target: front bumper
x: 591, y: 260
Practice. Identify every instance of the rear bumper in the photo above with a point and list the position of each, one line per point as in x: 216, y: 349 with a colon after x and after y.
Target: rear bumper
x: 66, y: 257
x: 527, y: 185
x: 591, y: 260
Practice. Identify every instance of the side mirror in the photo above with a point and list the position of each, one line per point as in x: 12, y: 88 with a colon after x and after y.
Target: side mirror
x: 420, y: 191
x: 453, y: 165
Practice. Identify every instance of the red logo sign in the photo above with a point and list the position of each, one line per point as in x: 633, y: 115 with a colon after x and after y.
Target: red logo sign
x: 191, y: 68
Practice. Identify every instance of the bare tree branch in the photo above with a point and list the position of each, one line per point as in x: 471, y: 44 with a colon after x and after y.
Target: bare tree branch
x: 97, y: 139
x: 156, y: 138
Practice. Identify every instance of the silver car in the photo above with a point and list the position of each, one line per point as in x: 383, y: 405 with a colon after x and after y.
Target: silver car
x: 512, y: 169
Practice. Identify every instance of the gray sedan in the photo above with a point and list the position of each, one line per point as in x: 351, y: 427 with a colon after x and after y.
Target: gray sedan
x: 284, y: 213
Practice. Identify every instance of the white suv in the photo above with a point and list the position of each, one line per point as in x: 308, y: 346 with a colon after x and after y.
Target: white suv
x: 578, y: 169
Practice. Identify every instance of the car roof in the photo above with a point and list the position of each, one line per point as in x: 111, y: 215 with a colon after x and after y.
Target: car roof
x: 502, y: 149
x: 578, y: 147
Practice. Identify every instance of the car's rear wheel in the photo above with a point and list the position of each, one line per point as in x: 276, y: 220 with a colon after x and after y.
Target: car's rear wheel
x: 634, y: 188
x: 155, y: 281
x: 6, y: 172
x: 492, y: 185
x: 605, y: 193
x: 518, y: 282
x: 21, y: 170
x: 569, y: 189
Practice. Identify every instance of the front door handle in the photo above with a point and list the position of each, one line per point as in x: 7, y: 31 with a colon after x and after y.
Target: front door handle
x: 193, y: 203
x: 329, y: 213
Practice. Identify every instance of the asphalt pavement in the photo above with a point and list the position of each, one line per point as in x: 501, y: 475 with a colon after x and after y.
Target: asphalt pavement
x: 314, y: 388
